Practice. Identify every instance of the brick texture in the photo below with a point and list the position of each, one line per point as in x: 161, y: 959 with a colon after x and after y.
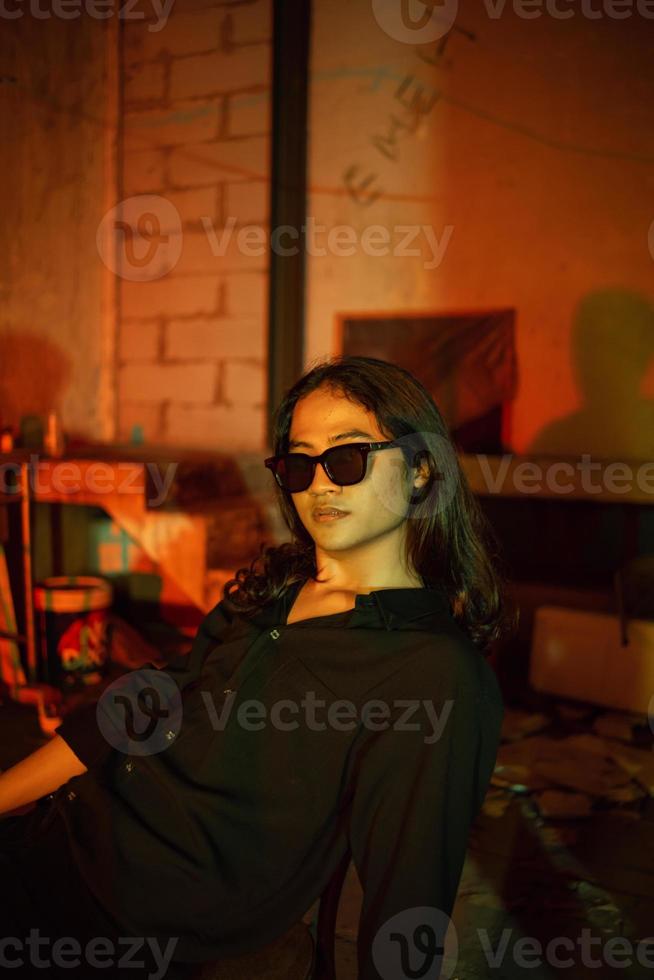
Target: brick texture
x: 206, y: 163
x: 170, y: 297
x: 143, y: 172
x: 217, y: 427
x: 248, y: 202
x: 250, y: 23
x: 147, y: 416
x: 145, y: 83
x: 220, y: 252
x: 165, y: 382
x: 185, y: 124
x: 247, y: 293
x: 220, y: 338
x: 206, y: 74
x: 244, y: 383
x: 139, y: 340
x: 192, y: 346
x: 248, y: 114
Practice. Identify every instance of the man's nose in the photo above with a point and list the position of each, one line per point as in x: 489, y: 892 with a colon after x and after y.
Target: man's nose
x: 321, y: 480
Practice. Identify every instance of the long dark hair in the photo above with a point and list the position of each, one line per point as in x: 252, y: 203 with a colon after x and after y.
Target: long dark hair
x: 449, y: 542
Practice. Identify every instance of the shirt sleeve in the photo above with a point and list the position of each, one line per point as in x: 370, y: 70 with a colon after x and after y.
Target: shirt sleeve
x: 414, y: 800
x: 80, y: 729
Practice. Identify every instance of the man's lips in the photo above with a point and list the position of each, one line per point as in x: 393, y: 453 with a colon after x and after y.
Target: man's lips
x: 328, y: 513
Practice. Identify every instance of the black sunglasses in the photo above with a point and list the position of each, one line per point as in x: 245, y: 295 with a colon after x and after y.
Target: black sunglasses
x: 344, y: 465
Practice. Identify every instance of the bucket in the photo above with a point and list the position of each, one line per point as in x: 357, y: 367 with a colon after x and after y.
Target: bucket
x: 73, y: 620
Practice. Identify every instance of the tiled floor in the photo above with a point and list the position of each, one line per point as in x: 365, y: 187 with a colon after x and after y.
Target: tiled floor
x: 525, y: 878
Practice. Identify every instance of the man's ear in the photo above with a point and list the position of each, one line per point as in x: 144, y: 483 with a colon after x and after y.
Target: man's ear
x: 421, y: 463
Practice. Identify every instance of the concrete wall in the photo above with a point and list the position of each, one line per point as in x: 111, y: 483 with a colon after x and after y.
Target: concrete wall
x: 57, y: 119
x: 527, y: 146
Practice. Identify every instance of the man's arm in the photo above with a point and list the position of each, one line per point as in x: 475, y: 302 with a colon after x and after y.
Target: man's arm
x: 42, y: 772
x: 413, y: 804
x: 79, y: 742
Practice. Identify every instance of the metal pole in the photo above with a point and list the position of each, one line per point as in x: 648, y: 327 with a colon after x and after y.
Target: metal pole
x: 26, y: 536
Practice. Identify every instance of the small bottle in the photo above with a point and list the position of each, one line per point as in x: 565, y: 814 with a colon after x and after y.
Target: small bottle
x: 6, y: 439
x: 54, y: 437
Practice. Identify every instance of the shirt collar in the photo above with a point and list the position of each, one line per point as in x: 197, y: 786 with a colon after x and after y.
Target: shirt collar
x: 409, y: 608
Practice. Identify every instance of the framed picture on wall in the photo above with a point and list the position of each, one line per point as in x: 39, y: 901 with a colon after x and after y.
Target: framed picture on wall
x: 466, y: 360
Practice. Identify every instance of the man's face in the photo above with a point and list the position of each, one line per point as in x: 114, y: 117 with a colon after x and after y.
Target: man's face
x: 377, y: 505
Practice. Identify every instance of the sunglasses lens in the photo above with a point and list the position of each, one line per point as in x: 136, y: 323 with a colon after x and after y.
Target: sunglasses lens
x: 294, y: 472
x: 347, y: 465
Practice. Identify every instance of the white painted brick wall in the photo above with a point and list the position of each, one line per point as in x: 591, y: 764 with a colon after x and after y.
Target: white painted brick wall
x: 251, y: 22
x: 144, y: 83
x: 148, y: 416
x: 247, y: 293
x: 218, y: 427
x: 243, y: 384
x: 139, y: 340
x: 183, y: 34
x: 193, y: 345
x: 248, y: 202
x: 143, y: 172
x: 206, y: 163
x: 219, y: 338
x: 186, y: 123
x: 194, y: 204
x: 195, y: 383
x: 249, y: 114
x: 207, y: 74
x: 170, y: 296
x: 221, y: 253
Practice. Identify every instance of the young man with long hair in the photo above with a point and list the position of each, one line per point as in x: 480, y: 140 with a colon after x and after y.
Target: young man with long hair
x: 338, y: 700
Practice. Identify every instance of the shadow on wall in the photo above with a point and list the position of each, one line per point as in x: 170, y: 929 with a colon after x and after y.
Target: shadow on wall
x: 33, y: 376
x: 612, y: 346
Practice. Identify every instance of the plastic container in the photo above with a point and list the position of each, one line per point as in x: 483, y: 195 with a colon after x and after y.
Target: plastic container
x: 72, y: 612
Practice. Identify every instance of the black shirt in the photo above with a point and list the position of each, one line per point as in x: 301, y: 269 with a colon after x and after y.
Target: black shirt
x: 228, y: 835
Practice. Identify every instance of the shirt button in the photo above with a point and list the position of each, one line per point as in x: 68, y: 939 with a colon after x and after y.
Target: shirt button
x: 170, y: 735
x: 72, y: 795
x: 228, y: 690
x: 129, y: 766
x: 274, y: 634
